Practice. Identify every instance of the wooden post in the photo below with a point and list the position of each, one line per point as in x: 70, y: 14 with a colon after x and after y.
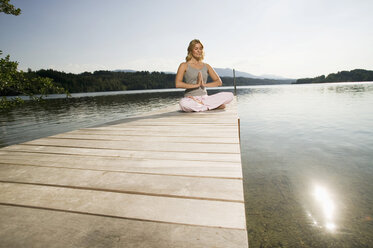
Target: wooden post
x: 239, y: 129
x: 234, y: 82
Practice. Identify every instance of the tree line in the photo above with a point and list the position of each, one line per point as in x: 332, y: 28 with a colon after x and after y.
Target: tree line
x: 108, y: 80
x: 357, y: 75
x: 117, y: 81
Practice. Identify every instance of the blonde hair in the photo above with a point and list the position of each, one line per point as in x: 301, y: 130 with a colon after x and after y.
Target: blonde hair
x: 190, y: 49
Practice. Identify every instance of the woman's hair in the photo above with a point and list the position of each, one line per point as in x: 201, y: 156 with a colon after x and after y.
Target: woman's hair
x: 190, y: 49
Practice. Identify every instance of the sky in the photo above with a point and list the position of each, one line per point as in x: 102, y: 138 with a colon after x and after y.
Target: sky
x: 287, y: 38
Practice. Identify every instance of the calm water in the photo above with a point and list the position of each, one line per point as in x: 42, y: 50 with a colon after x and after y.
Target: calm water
x: 57, y: 115
x: 307, y: 155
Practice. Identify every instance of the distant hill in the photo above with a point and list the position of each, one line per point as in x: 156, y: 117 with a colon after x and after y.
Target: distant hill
x: 245, y: 81
x: 357, y: 75
x: 227, y: 72
x: 124, y: 70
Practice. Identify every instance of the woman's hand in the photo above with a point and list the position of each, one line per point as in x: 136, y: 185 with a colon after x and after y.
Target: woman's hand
x: 200, y: 80
x: 191, y: 97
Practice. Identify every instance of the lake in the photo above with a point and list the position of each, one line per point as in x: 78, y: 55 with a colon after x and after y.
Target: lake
x: 307, y: 154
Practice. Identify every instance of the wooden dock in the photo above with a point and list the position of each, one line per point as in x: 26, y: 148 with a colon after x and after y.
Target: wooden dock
x: 166, y: 179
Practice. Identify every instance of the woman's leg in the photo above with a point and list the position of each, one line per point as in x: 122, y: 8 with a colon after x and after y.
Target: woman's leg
x: 189, y: 105
x: 218, y: 100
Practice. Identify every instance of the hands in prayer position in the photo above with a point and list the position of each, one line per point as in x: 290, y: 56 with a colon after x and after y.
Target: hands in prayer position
x: 200, y: 82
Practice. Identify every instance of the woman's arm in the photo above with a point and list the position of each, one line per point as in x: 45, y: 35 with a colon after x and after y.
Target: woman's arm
x: 216, y: 81
x: 179, y: 78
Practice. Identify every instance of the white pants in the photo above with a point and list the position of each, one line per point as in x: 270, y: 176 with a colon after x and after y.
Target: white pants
x: 203, y: 103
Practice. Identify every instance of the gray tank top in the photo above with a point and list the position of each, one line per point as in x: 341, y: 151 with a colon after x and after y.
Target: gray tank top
x: 190, y: 77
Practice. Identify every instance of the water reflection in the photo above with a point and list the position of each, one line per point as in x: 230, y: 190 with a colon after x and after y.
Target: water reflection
x: 301, y: 146
x: 350, y: 87
x: 325, y: 206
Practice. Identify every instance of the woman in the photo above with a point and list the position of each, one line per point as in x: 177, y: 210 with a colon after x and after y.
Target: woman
x: 195, y: 73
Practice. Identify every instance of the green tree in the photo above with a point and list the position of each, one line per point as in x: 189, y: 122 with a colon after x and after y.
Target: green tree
x: 14, y: 82
x: 8, y: 8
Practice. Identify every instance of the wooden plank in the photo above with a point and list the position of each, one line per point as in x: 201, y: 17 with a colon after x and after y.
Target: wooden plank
x: 176, y: 124
x: 222, y: 116
x: 179, y: 122
x: 139, y: 146
x: 161, y: 185
x: 180, y: 139
x: 29, y: 227
x: 129, y: 165
x: 184, y: 120
x: 162, y: 133
x: 139, y: 207
x: 189, y: 156
x: 198, y: 129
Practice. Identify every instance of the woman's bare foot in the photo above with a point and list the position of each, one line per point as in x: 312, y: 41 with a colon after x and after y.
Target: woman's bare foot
x: 221, y: 106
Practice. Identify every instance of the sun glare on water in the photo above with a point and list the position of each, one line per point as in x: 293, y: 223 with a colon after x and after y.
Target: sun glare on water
x: 325, y: 206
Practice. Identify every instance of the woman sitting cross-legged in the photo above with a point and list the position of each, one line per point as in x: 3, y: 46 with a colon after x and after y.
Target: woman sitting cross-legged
x: 195, y: 74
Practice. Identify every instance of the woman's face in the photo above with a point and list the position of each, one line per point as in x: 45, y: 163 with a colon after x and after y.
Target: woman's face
x: 197, y: 51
